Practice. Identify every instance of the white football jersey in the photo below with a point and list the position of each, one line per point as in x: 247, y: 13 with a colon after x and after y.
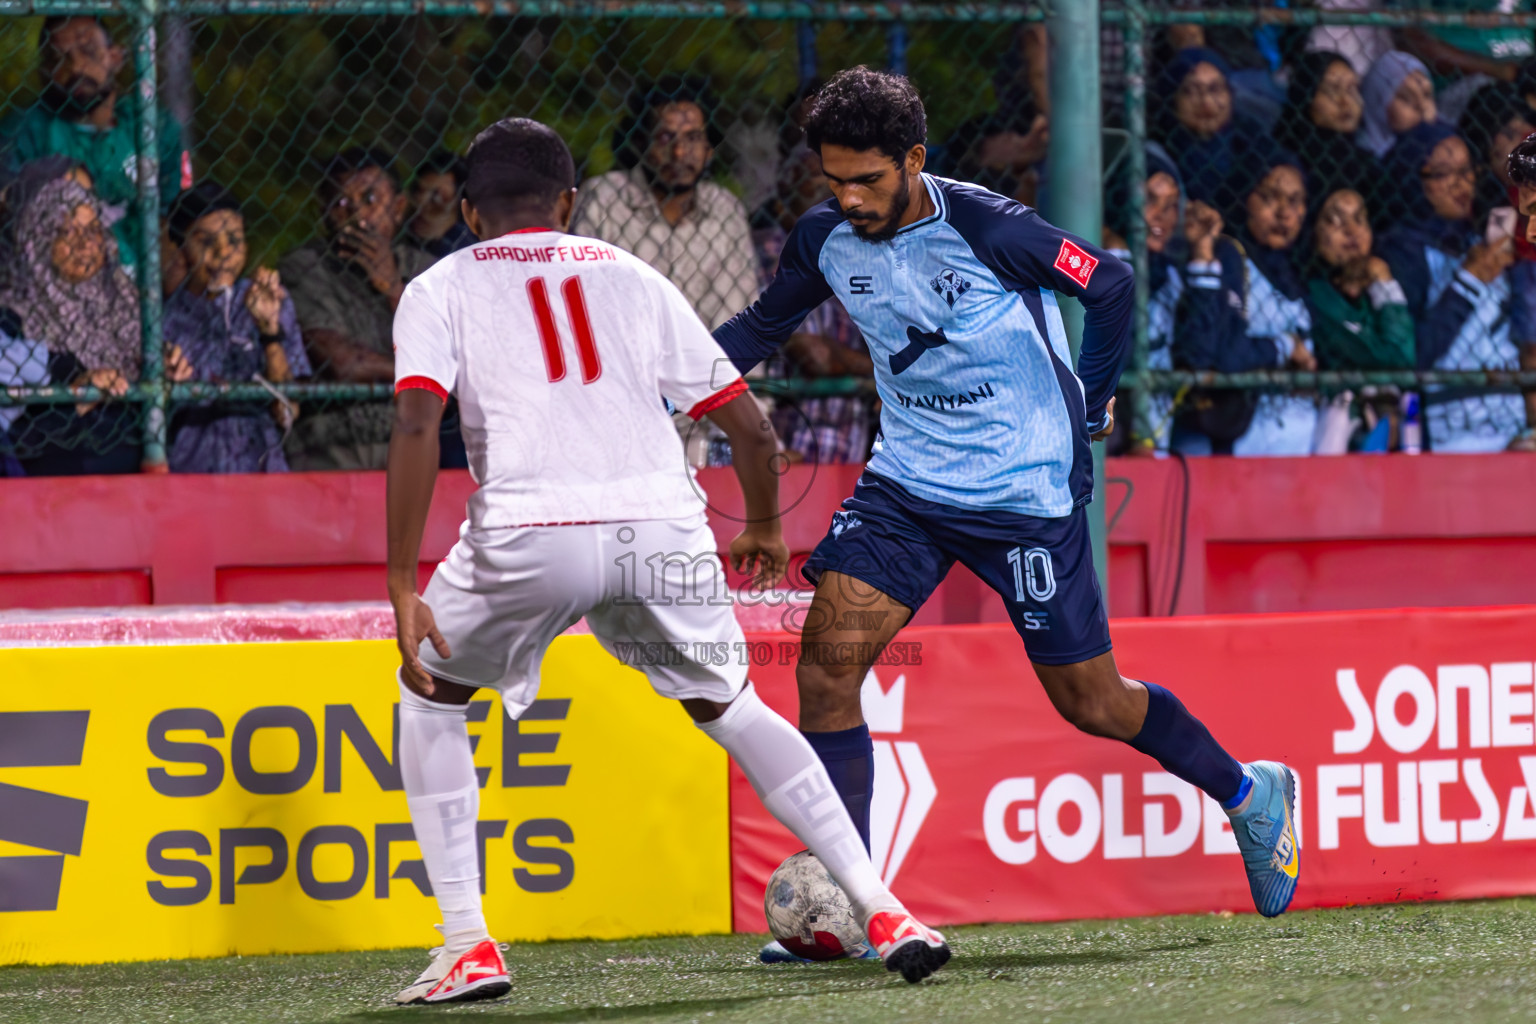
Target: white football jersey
x: 559, y: 350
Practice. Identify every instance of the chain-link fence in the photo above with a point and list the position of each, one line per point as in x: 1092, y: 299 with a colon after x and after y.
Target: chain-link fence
x: 319, y: 140
x: 1325, y: 190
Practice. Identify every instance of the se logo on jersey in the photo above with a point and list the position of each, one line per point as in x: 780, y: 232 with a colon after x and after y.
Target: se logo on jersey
x: 1075, y: 263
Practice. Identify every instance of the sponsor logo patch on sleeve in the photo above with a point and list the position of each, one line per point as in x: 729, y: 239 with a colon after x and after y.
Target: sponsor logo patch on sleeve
x: 1075, y: 263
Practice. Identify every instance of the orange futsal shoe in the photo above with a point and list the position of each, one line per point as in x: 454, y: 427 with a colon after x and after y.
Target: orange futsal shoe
x: 480, y: 973
x: 906, y: 944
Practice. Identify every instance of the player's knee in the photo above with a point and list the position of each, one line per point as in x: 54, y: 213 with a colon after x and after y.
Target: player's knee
x: 828, y: 685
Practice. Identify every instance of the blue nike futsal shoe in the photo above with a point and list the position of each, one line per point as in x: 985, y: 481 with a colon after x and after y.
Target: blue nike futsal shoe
x: 1266, y: 835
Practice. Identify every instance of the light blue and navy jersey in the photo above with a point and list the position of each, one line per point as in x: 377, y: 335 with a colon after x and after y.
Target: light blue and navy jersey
x: 981, y: 408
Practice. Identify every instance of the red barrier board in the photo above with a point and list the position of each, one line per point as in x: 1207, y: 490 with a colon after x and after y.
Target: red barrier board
x: 1411, y: 733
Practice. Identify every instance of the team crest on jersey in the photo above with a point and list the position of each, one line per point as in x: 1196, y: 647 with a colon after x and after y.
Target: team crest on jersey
x: 842, y: 522
x: 950, y: 286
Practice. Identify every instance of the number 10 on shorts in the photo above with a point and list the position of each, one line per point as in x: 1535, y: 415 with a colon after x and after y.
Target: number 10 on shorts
x: 1033, y: 578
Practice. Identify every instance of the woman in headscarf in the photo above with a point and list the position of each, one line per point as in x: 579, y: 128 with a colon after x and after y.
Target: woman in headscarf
x: 1398, y: 95
x: 1198, y: 126
x: 1457, y: 286
x: 67, y: 290
x: 23, y: 361
x: 1360, y: 318
x: 32, y: 176
x: 1245, y: 310
x: 234, y: 330
x: 1163, y: 210
x: 1321, y: 117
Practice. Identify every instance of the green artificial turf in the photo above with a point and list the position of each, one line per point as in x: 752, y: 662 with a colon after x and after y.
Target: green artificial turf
x: 1465, y: 963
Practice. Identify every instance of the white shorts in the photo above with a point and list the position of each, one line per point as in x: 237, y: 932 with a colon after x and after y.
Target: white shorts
x: 653, y: 592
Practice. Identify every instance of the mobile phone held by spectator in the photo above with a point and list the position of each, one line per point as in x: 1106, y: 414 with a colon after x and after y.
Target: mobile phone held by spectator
x: 1501, y: 224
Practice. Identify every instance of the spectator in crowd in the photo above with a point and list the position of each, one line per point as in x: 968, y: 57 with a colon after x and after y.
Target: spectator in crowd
x: 1525, y: 81
x: 661, y: 206
x: 1198, y: 126
x: 19, y: 192
x: 833, y: 428
x: 1360, y: 318
x: 1457, y: 286
x: 1521, y: 168
x: 23, y: 361
x: 1359, y: 44
x: 1467, y: 57
x: 66, y: 290
x: 1163, y: 210
x: 1002, y: 151
x: 345, y: 287
x: 1244, y: 309
x: 1254, y: 56
x: 80, y: 115
x: 232, y: 330
x: 1398, y: 96
x: 1496, y: 119
x: 1319, y: 124
x: 437, y: 225
x: 799, y: 185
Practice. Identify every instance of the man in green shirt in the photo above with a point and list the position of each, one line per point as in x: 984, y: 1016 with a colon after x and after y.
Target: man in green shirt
x: 82, y: 115
x: 345, y: 286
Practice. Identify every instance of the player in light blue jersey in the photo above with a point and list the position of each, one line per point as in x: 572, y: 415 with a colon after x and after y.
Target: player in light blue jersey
x: 984, y: 453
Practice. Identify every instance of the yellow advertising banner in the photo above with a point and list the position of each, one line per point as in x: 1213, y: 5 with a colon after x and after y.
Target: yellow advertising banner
x: 245, y: 798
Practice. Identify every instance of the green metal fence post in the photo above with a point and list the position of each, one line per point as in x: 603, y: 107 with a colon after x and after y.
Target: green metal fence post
x: 147, y: 103
x: 1074, y: 172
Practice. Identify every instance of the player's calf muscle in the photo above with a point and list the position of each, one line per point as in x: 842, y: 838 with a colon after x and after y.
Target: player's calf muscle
x: 1094, y: 697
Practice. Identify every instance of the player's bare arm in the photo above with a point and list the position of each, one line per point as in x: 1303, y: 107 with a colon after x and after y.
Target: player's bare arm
x: 412, y: 474
x: 755, y: 453
x: 1109, y: 423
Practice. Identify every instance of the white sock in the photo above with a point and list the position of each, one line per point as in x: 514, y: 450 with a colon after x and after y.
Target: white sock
x: 443, y: 793
x: 790, y: 780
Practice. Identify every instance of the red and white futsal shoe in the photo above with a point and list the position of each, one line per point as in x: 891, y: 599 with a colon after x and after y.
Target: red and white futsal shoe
x: 906, y: 944
x: 480, y: 973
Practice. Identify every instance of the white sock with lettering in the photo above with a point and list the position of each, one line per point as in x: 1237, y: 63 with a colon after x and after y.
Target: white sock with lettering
x: 443, y: 793
x: 790, y: 780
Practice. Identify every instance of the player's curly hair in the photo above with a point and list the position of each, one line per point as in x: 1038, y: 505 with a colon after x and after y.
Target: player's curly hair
x: 861, y: 108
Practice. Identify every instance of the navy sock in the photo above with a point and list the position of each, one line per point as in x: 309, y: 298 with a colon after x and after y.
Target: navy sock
x: 849, y: 757
x: 1181, y: 744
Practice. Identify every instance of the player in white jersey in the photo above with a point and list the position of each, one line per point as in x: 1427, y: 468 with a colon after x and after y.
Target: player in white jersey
x: 559, y: 350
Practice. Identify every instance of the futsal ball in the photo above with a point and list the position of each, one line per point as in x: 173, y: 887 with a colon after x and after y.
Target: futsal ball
x: 809, y: 913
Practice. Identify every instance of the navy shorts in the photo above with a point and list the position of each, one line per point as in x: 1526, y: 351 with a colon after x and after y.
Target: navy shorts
x: 903, y: 546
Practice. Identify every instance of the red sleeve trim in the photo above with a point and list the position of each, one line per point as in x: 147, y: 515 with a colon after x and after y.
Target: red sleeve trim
x: 719, y: 398
x: 425, y: 383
